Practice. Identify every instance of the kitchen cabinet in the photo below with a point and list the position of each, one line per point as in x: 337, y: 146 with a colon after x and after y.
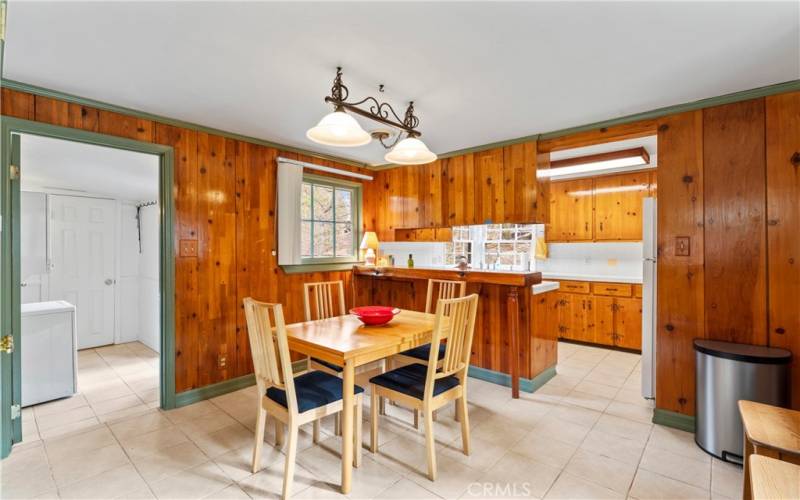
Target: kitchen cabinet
x: 628, y: 323
x: 599, y: 313
x: 618, y: 206
x: 576, y: 320
x: 497, y: 185
x: 425, y: 234
x: 605, y: 208
x: 571, y: 207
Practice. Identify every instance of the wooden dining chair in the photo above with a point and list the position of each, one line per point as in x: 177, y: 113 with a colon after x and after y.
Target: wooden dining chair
x: 445, y: 290
x: 426, y: 388
x: 323, y: 300
x: 292, y: 401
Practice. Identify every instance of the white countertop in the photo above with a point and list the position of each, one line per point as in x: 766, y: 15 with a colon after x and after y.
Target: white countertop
x: 545, y: 286
x: 610, y: 278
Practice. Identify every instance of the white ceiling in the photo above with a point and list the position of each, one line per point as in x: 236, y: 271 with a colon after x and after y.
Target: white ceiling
x: 478, y: 72
x: 57, y: 165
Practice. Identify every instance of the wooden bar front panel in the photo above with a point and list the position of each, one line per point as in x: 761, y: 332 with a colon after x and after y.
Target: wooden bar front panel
x: 491, y: 343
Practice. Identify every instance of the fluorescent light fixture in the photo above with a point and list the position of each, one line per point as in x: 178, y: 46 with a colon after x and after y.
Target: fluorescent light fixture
x: 596, y: 163
x: 604, y: 190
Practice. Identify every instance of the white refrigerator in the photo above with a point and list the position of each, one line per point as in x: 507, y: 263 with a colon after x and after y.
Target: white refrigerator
x: 650, y: 251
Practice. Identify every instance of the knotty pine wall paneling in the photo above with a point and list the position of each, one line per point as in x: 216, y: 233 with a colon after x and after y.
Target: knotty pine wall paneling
x: 461, y: 190
x: 783, y: 227
x: 224, y: 194
x: 734, y: 174
x: 681, y: 306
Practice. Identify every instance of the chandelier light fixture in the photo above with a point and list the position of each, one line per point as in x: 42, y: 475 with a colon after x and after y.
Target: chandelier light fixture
x: 341, y: 129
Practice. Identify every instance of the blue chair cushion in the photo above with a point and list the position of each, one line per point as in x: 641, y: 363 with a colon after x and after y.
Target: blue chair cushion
x: 410, y: 379
x: 329, y: 365
x: 423, y: 352
x: 313, y: 389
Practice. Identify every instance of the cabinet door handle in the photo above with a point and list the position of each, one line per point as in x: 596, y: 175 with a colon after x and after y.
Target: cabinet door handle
x: 611, y: 289
x: 601, y: 226
x: 586, y: 226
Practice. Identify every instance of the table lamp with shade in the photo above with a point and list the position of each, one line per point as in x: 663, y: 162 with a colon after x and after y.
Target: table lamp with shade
x: 369, y: 243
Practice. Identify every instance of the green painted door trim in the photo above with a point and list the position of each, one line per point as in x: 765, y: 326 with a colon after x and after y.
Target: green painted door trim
x: 499, y: 378
x: 673, y: 419
x: 10, y: 430
x: 83, y: 101
x: 10, y: 250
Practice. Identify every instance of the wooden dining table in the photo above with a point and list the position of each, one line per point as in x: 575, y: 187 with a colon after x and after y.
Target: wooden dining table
x: 345, y: 341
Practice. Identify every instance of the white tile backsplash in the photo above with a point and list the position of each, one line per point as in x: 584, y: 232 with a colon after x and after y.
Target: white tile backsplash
x: 425, y: 253
x: 612, y: 258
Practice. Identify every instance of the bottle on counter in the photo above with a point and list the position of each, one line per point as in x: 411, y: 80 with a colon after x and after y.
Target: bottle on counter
x: 410, y: 260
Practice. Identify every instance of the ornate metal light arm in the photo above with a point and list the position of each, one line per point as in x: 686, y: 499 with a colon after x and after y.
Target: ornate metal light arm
x: 381, y: 112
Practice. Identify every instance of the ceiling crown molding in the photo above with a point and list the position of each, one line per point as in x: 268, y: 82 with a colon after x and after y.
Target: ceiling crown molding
x: 83, y: 101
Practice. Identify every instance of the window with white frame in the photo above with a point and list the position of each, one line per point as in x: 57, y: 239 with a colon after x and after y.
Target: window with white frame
x: 508, y: 244
x: 492, y: 244
x: 329, y: 214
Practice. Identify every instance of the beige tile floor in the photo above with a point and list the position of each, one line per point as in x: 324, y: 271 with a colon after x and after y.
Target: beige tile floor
x: 585, y: 434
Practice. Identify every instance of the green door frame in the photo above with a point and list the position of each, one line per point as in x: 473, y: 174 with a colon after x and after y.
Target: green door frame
x: 10, y: 258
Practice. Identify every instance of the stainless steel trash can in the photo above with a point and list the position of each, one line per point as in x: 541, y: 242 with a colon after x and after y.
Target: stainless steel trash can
x: 726, y: 373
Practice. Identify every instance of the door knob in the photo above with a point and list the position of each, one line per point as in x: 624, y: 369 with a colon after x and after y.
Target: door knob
x: 109, y: 281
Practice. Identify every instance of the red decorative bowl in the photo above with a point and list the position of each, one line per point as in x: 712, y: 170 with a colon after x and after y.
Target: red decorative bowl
x: 374, y: 315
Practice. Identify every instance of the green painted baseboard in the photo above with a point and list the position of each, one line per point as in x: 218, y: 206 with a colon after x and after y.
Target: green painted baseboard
x: 525, y: 384
x: 673, y: 419
x: 224, y: 387
x: 213, y: 390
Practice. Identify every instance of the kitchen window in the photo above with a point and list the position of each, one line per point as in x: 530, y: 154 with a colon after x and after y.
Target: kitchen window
x: 493, y: 245
x: 330, y: 218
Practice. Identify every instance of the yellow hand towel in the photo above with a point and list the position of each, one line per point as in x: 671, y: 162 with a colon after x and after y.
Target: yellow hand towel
x: 541, y: 248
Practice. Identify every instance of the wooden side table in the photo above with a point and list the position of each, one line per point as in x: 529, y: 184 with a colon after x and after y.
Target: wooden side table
x: 769, y: 431
x: 773, y: 479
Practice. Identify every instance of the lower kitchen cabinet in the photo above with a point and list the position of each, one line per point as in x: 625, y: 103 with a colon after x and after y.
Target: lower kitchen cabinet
x: 628, y: 323
x: 600, y: 316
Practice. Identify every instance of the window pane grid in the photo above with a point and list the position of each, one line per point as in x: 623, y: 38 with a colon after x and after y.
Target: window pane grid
x: 327, y: 231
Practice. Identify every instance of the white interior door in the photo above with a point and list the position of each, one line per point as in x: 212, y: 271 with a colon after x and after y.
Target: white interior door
x: 83, y: 264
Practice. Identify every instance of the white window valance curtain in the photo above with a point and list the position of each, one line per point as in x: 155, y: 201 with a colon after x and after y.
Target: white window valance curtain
x: 290, y: 187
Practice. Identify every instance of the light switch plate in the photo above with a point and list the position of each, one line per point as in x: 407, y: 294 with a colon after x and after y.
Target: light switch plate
x: 682, y: 246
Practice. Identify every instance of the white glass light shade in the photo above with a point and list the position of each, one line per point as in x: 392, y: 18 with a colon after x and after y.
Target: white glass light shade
x: 339, y: 129
x: 410, y: 151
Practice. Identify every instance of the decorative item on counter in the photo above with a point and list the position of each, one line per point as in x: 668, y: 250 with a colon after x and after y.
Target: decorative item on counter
x: 369, y: 243
x: 391, y: 260
x: 462, y: 263
x: 410, y: 260
x: 383, y: 261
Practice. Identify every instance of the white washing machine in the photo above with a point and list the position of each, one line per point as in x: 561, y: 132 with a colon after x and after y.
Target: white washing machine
x: 49, y: 351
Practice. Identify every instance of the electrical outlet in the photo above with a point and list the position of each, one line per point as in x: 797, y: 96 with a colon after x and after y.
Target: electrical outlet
x: 682, y: 246
x: 222, y: 361
x: 188, y: 248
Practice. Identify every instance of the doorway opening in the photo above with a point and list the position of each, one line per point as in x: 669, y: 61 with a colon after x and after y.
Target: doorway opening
x: 90, y: 329
x: 87, y: 280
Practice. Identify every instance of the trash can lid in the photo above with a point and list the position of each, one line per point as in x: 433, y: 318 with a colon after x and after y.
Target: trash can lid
x: 743, y: 352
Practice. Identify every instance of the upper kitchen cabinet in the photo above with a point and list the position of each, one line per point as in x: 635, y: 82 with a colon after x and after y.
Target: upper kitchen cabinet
x: 523, y: 196
x: 618, y: 206
x: 489, y: 192
x: 604, y: 208
x: 496, y: 185
x: 571, y: 208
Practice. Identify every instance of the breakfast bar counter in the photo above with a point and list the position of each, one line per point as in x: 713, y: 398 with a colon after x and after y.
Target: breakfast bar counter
x: 510, y: 346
